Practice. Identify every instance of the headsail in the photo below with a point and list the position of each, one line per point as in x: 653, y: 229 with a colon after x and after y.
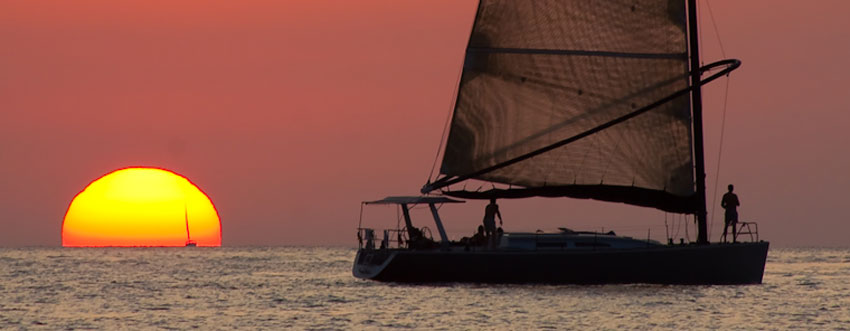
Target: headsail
x: 539, y: 72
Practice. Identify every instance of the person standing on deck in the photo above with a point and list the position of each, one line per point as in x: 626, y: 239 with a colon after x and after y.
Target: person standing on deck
x: 730, y: 202
x: 490, y: 213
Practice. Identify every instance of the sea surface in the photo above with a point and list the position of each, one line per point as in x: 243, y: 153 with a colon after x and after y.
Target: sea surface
x: 312, y: 288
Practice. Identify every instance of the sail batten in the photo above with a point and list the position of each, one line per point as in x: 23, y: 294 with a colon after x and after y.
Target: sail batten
x: 537, y: 73
x: 578, y: 52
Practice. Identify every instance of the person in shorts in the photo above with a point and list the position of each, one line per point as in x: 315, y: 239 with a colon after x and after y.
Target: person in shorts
x: 490, y: 213
x: 730, y: 202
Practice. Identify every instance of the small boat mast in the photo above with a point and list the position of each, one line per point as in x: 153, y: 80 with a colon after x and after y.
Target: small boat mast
x: 189, y: 241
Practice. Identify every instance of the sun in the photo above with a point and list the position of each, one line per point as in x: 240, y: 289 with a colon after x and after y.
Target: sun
x: 141, y: 207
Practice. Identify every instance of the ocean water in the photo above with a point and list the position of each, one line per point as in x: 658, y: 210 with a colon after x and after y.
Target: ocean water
x: 312, y: 288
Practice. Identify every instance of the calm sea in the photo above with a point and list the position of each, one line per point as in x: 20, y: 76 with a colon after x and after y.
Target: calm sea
x: 312, y: 288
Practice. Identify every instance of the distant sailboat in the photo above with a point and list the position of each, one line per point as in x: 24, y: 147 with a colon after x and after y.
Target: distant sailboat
x: 582, y: 99
x: 189, y: 241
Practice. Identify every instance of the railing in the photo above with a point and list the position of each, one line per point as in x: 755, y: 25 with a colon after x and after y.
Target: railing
x: 743, y: 228
x: 391, y: 238
x: 748, y: 228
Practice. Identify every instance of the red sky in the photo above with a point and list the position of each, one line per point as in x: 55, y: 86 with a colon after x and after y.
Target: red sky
x: 289, y: 113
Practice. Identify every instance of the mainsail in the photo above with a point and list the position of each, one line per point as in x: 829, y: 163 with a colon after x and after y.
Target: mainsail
x: 539, y: 72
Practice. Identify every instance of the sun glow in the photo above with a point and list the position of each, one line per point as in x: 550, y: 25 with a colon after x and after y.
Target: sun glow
x: 141, y: 207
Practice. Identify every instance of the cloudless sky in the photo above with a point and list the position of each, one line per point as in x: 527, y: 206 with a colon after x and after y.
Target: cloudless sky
x: 289, y: 113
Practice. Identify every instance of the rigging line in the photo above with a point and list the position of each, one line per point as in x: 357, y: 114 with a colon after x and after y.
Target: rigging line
x: 679, y: 222
x: 699, y: 31
x: 453, y: 99
x: 398, y: 217
x: 719, y: 154
x: 716, y: 31
x: 455, y: 93
x: 674, y: 227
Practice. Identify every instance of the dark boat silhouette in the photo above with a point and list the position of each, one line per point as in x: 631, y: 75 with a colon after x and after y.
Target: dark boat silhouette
x: 581, y: 99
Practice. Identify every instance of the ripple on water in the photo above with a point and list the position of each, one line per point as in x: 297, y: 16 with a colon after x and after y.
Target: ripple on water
x: 312, y: 288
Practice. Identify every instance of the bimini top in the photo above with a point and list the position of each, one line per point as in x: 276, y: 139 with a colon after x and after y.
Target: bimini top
x: 413, y: 200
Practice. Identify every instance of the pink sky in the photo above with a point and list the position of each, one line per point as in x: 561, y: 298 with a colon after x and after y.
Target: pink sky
x: 289, y: 113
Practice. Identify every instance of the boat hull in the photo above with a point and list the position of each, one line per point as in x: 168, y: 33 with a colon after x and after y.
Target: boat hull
x: 741, y: 263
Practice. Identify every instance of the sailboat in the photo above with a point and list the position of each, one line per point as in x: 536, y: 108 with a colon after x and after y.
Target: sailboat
x: 189, y: 241
x: 576, y: 99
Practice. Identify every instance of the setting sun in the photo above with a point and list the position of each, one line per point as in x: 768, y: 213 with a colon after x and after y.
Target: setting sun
x: 141, y: 207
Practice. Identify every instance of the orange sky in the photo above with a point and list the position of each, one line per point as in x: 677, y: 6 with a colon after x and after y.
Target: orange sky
x: 289, y: 113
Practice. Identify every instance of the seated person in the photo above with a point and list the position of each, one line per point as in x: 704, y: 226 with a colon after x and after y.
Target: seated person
x: 418, y: 240
x: 479, y: 238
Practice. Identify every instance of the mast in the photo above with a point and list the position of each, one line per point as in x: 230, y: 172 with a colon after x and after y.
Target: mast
x: 186, y: 217
x: 696, y: 104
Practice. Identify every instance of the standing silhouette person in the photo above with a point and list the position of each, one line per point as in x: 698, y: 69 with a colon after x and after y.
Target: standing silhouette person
x: 730, y: 202
x: 490, y: 213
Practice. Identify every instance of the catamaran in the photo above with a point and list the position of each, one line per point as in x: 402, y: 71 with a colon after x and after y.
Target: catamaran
x: 577, y: 99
